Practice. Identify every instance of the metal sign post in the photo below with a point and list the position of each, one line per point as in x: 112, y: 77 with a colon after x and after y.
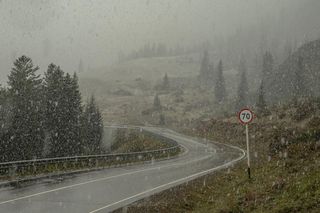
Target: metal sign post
x: 245, y: 117
x: 248, y: 150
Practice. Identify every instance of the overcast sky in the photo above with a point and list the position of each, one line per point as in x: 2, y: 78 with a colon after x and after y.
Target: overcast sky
x: 65, y: 31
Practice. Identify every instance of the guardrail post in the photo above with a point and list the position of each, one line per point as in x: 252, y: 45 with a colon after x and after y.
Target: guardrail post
x: 97, y: 163
x: 12, y: 171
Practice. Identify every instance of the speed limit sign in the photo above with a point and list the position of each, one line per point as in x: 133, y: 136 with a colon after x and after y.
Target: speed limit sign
x: 245, y: 116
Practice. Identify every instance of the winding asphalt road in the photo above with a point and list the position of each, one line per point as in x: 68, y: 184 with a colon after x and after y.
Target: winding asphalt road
x: 109, y: 189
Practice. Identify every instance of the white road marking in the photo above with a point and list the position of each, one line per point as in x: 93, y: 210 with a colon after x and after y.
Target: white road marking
x: 102, y: 179
x: 138, y: 171
x: 171, y: 183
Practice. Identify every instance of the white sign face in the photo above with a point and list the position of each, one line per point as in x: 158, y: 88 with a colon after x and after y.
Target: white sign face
x: 245, y: 116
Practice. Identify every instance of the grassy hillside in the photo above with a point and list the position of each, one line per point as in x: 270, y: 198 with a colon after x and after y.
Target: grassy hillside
x: 285, y: 168
x: 281, y: 84
x: 151, y: 69
x: 135, y: 141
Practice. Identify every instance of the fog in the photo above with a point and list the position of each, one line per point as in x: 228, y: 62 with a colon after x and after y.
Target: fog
x: 67, y: 31
x: 138, y: 97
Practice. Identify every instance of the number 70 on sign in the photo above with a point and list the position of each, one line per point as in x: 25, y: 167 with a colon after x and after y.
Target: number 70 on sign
x: 245, y: 116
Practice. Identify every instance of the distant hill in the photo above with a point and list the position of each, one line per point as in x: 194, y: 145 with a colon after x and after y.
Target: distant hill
x: 151, y: 69
x: 139, y: 74
x: 280, y: 85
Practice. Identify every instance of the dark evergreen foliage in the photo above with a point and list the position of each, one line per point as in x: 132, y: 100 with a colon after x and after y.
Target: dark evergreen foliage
x: 162, y: 120
x: 204, y: 68
x: 63, y: 104
x: 211, y: 76
x: 73, y: 109
x: 262, y: 108
x: 154, y: 50
x: 300, y: 89
x: 5, y: 123
x: 25, y: 134
x: 40, y: 118
x: 54, y: 100
x: 243, y: 90
x: 156, y: 102
x: 165, y: 83
x: 91, y: 129
x: 220, y: 90
x: 267, y: 66
x: 207, y: 75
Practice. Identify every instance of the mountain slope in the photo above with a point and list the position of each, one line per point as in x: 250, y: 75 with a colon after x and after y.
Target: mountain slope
x: 281, y: 85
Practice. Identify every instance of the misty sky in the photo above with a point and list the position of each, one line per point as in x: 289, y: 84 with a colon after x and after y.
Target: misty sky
x: 65, y: 31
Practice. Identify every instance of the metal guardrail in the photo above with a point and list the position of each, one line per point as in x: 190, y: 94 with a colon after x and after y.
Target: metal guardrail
x: 101, y: 160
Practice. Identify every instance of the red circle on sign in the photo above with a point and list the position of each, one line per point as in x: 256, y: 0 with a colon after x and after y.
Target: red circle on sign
x: 251, y: 116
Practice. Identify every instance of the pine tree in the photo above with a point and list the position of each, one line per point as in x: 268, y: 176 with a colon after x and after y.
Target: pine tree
x: 267, y: 69
x: 220, y: 90
x: 243, y: 90
x: 5, y: 123
x: 204, y: 69
x: 63, y: 111
x: 156, y: 102
x: 54, y: 101
x: 3, y: 108
x: 267, y: 66
x: 262, y: 108
x: 25, y: 91
x: 165, y: 84
x: 162, y: 120
x: 72, y: 109
x: 211, y: 76
x: 300, y: 89
x: 91, y: 128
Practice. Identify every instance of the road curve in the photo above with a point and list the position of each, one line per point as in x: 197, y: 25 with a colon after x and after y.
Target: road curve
x: 109, y: 189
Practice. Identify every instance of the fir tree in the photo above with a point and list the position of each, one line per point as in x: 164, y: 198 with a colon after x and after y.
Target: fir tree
x: 243, y: 90
x: 267, y: 66
x: 3, y: 108
x: 156, y: 102
x: 204, y: 69
x: 72, y: 112
x: 262, y: 108
x: 220, y: 90
x: 54, y: 101
x: 162, y: 120
x: 300, y: 89
x: 267, y: 70
x: 91, y: 128
x: 63, y: 109
x: 5, y: 123
x: 211, y: 76
x: 26, y: 131
x: 165, y: 84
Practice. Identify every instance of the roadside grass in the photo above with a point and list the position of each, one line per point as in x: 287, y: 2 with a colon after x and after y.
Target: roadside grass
x: 280, y: 185
x: 285, y: 170
x: 135, y: 141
